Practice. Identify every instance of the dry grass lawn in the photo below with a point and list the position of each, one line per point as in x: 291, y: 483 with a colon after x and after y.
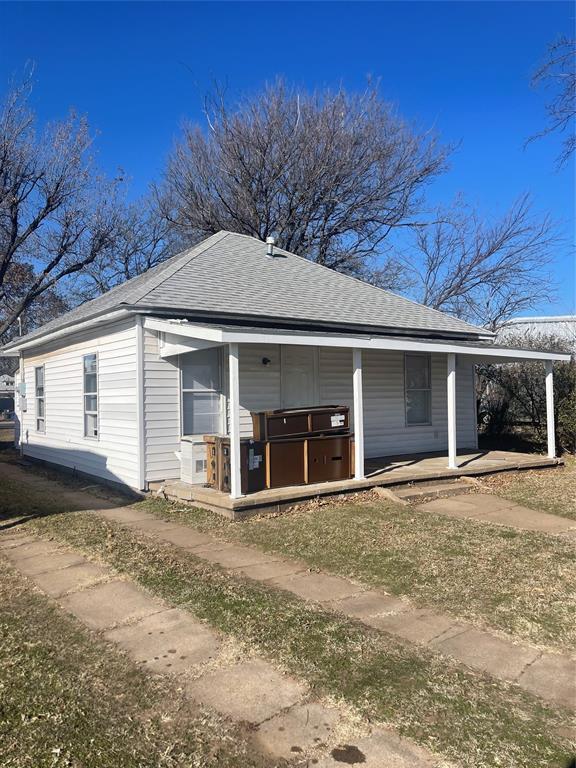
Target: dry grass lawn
x: 521, y: 582
x: 552, y: 490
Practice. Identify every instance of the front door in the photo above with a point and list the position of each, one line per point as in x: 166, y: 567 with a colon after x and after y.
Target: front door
x: 299, y: 376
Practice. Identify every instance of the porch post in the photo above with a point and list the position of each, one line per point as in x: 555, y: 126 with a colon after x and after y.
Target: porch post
x: 451, y: 387
x: 550, y: 410
x: 358, y: 415
x: 234, y: 428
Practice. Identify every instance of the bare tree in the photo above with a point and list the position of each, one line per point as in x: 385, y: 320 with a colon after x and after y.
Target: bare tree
x: 329, y: 174
x: 485, y: 272
x: 558, y: 73
x: 57, y: 215
x: 144, y: 239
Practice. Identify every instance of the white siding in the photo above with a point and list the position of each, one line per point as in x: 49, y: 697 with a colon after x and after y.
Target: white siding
x: 114, y: 455
x: 161, y: 412
x: 385, y: 427
x: 259, y: 383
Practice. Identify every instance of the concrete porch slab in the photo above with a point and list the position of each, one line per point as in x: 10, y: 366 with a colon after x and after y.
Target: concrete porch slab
x: 252, y: 691
x: 380, y: 472
x: 169, y: 642
x: 115, y: 602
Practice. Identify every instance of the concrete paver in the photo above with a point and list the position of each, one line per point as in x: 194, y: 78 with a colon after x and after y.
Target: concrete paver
x: 320, y: 587
x: 419, y: 626
x: 50, y: 561
x: 72, y: 578
x: 271, y: 570
x: 488, y: 653
x: 112, y: 603
x: 383, y: 749
x: 169, y: 642
x: 493, y: 509
x: 123, y: 514
x: 11, y: 540
x: 252, y: 691
x: 552, y: 677
x: 31, y: 549
x: 233, y: 556
x: 370, y: 604
x: 184, y: 537
x: 299, y: 730
x: 153, y: 526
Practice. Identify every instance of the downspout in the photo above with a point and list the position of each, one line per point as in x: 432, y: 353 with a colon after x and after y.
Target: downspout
x: 20, y: 409
x: 141, y: 431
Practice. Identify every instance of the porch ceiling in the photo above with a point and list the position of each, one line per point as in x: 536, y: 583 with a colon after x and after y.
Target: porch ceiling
x: 216, y: 334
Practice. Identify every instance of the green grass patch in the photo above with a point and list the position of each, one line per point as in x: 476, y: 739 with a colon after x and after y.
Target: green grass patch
x: 472, y: 719
x: 67, y: 699
x: 520, y: 582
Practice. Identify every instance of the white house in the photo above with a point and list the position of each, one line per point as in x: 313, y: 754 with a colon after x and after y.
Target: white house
x: 235, y: 325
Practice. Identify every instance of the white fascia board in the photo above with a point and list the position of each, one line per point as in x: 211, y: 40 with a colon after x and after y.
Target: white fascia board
x: 182, y: 328
x: 66, y: 331
x: 506, y: 354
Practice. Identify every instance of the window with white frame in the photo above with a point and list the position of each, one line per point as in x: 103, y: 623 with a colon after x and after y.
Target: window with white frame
x: 418, y: 389
x: 40, y: 396
x: 90, y: 366
x: 201, y: 392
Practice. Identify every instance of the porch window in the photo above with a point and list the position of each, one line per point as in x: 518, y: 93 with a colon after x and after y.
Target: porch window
x: 418, y: 392
x: 201, y: 398
x: 40, y: 399
x: 90, y: 396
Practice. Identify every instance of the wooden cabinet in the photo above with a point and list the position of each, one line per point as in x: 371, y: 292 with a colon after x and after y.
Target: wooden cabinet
x: 328, y: 458
x: 294, y: 422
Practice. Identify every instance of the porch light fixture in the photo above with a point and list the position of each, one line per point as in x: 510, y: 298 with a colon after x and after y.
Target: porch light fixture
x: 266, y: 361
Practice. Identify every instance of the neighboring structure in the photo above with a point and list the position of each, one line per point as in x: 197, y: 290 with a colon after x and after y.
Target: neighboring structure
x: 6, y: 393
x: 234, y: 325
x: 561, y: 327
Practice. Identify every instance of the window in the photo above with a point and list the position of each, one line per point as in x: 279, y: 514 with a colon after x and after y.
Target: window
x: 40, y: 399
x: 418, y: 392
x: 90, y: 396
x: 201, y: 399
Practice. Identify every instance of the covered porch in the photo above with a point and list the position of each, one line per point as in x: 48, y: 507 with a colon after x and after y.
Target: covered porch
x: 387, y: 471
x: 367, y: 365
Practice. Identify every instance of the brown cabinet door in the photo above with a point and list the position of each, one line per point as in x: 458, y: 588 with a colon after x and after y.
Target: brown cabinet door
x: 329, y: 420
x: 287, y: 424
x: 328, y: 459
x: 285, y: 463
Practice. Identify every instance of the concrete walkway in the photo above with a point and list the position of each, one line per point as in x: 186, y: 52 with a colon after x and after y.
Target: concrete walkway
x: 494, y: 509
x: 286, y: 723
x: 548, y: 675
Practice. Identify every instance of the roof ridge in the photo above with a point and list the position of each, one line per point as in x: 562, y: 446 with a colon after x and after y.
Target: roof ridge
x: 371, y: 285
x: 182, y: 260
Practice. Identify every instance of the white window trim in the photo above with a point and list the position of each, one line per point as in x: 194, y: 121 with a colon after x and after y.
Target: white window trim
x: 97, y: 393
x: 219, y: 391
x: 36, y: 399
x: 428, y: 356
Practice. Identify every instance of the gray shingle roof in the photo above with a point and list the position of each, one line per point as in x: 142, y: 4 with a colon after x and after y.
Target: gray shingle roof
x: 229, y: 274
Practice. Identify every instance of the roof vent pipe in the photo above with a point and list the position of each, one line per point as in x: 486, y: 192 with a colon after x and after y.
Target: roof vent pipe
x: 270, y: 246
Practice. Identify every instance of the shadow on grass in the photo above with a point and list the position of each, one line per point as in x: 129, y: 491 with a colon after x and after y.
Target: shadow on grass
x: 31, y: 489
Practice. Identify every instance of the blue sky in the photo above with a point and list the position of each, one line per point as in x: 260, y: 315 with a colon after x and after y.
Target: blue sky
x: 138, y: 69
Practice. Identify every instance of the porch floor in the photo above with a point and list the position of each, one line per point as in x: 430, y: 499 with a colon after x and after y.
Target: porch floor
x: 384, y: 471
